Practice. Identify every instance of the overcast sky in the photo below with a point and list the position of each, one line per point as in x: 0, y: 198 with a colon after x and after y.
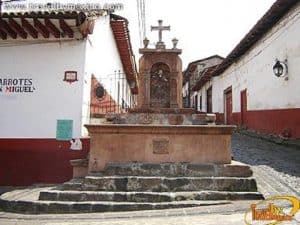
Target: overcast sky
x: 203, y: 27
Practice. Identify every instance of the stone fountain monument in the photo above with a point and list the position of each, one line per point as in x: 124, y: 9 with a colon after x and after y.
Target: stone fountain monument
x: 159, y: 130
x: 158, y: 155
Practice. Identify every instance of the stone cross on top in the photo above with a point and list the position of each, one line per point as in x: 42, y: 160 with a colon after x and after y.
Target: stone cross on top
x: 160, y: 28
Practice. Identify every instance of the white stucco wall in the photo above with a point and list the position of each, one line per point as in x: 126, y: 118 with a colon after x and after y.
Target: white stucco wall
x: 254, y: 71
x: 203, y: 92
x: 185, y: 90
x: 103, y: 60
x: 34, y: 115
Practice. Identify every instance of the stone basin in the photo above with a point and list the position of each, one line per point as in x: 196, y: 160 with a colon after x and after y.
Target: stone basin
x: 158, y: 144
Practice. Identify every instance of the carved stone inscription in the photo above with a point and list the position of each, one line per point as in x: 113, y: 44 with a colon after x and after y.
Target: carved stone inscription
x: 160, y: 146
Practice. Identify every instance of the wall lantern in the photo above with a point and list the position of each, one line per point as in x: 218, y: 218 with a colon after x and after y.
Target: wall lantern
x: 70, y: 76
x: 280, y: 69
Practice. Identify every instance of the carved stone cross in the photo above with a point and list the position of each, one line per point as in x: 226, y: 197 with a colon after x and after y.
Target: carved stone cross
x: 160, y: 29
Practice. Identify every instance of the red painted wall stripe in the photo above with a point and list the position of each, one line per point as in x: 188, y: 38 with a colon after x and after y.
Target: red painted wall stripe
x: 275, y: 121
x: 280, y: 122
x: 30, y: 161
x: 220, y: 118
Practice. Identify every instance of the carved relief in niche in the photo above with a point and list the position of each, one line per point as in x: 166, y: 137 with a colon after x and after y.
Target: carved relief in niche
x: 160, y: 86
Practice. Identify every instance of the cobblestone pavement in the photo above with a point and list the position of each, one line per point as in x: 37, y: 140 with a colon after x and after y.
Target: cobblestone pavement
x: 276, y: 169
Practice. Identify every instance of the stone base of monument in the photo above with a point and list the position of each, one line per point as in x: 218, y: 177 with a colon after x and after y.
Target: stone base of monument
x: 148, y: 159
x: 158, y: 136
x: 143, y: 186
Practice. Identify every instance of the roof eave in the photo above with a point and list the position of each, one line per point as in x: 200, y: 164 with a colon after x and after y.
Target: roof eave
x: 277, y: 11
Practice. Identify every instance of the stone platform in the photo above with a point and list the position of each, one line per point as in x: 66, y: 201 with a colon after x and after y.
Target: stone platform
x: 140, y: 186
x: 158, y: 144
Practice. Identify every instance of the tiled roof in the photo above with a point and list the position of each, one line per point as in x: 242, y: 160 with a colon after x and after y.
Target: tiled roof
x: 193, y: 65
x: 44, y: 24
x: 120, y: 30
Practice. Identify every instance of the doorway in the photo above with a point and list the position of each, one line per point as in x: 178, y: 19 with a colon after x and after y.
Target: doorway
x: 228, y: 106
x: 209, y: 100
x: 243, y: 107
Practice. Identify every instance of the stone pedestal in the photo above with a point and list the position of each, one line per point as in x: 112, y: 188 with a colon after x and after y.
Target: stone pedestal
x: 80, y: 167
x: 158, y: 144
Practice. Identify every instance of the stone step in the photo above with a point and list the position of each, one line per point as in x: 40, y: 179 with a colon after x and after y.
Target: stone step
x: 49, y: 207
x: 74, y: 184
x: 79, y: 196
x: 177, y: 170
x: 163, y: 184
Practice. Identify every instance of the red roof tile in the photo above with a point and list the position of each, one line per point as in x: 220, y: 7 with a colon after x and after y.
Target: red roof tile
x: 120, y: 30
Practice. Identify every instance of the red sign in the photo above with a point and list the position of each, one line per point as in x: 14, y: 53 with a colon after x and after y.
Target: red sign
x: 70, y: 76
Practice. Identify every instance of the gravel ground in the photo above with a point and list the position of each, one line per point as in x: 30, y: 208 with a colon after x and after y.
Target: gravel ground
x: 276, y: 167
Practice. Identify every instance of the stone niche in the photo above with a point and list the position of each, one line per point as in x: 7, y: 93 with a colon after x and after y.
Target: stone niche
x: 160, y: 79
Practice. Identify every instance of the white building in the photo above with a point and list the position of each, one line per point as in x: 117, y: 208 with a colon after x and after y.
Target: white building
x: 47, y: 60
x: 193, y: 95
x: 245, y: 89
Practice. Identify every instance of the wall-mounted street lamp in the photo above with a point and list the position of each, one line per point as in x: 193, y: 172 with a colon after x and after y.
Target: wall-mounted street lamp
x: 280, y: 69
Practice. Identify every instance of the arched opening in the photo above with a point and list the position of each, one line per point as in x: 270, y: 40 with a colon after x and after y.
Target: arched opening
x: 160, y: 86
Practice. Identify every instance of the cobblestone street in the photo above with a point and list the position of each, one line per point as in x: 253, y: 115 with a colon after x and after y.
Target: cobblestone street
x: 276, y: 168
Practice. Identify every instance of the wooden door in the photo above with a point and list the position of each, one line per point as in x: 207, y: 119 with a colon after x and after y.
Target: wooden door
x: 228, y: 106
x: 243, y: 107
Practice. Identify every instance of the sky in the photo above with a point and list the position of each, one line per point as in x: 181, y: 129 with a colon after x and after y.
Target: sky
x: 203, y: 27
